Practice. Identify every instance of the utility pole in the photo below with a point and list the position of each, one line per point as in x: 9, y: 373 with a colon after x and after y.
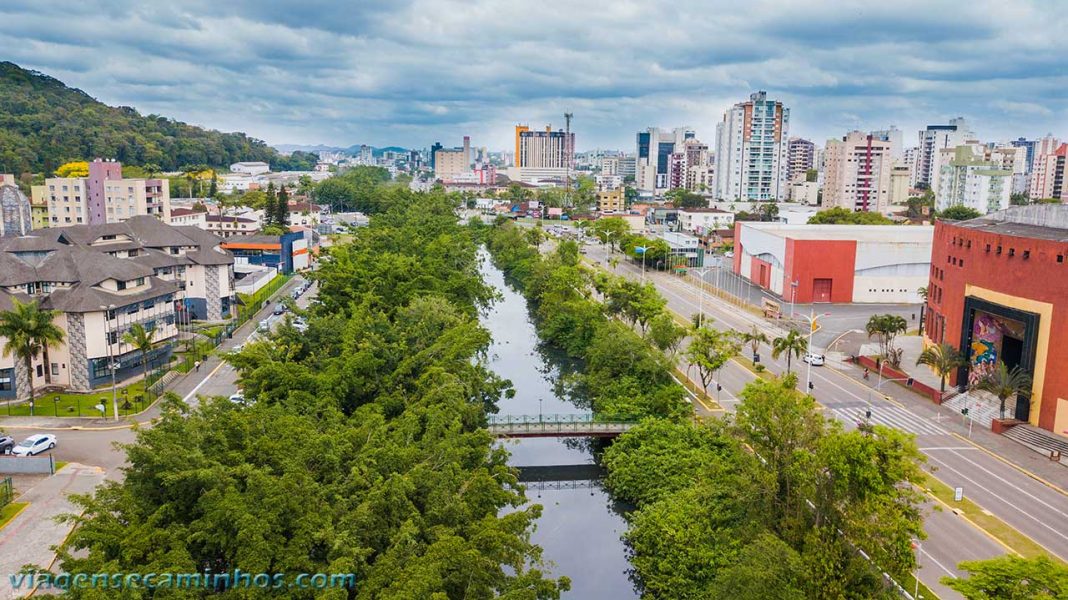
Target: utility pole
x: 569, y: 153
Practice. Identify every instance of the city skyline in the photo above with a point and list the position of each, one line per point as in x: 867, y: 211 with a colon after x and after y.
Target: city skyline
x: 413, y: 73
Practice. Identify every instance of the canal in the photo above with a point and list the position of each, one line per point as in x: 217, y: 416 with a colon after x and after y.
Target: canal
x: 581, y: 525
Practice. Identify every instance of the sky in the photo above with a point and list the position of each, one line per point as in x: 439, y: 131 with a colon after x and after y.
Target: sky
x: 412, y: 72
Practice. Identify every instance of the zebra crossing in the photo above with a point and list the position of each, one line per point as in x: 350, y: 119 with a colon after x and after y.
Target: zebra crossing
x: 890, y: 416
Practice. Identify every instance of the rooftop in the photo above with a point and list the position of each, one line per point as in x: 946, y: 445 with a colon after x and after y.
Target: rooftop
x: 860, y: 233
x: 1037, y: 221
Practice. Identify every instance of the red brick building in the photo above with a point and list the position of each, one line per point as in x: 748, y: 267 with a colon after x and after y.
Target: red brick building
x: 999, y: 291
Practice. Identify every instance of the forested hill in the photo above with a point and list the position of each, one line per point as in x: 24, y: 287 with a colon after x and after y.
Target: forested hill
x: 44, y: 123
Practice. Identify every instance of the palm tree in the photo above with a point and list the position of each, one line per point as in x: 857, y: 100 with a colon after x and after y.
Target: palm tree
x: 943, y: 358
x: 754, y: 338
x: 28, y: 331
x: 140, y: 338
x: 1005, y: 383
x: 887, y: 327
x: 793, y: 344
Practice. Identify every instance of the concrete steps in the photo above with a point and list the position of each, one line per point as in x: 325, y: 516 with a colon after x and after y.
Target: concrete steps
x: 980, y: 407
x: 1038, y: 439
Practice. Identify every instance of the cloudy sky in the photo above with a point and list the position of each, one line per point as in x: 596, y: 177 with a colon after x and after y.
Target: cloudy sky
x: 411, y: 72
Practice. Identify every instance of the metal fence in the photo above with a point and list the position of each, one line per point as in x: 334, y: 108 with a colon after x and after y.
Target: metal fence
x: 554, y: 418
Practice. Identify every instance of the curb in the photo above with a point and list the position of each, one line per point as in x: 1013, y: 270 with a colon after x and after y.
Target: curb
x: 963, y: 516
x: 25, y: 505
x: 1053, y: 486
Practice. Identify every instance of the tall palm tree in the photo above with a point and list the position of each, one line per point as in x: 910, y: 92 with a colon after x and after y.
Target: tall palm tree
x: 754, y: 338
x: 140, y: 338
x: 943, y: 358
x: 28, y: 331
x: 1005, y: 383
x: 793, y: 344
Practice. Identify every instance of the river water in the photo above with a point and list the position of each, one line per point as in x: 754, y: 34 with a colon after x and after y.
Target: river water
x: 581, y: 525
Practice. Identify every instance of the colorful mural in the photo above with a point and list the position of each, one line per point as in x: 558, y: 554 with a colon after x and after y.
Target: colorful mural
x: 988, y: 333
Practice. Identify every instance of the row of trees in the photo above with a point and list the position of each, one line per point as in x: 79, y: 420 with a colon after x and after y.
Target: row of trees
x: 363, y: 449
x: 597, y: 318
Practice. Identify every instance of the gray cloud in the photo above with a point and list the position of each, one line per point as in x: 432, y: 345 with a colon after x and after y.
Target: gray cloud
x: 415, y: 71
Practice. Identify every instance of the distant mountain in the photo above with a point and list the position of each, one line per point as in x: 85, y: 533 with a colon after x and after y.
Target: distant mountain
x: 44, y: 123
x: 287, y: 148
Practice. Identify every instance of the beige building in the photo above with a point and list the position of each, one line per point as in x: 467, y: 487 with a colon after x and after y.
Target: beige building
x: 857, y: 172
x: 450, y: 163
x: 611, y: 200
x: 102, y: 197
x: 899, y: 185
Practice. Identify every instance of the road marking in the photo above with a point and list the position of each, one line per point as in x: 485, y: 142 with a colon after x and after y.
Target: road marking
x: 972, y: 523
x: 1006, y: 481
x: 948, y: 448
x: 1053, y: 486
x: 203, y: 381
x: 940, y: 565
x: 892, y: 417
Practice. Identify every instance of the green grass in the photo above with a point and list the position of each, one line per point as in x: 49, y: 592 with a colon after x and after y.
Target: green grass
x: 69, y: 403
x: 1019, y: 542
x: 60, y: 464
x: 909, y: 583
x: 211, y: 332
x: 8, y: 512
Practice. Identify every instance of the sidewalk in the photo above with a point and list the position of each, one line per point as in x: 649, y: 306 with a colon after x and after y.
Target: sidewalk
x: 31, y: 536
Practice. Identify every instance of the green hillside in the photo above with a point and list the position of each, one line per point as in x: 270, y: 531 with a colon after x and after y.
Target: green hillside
x: 44, y: 123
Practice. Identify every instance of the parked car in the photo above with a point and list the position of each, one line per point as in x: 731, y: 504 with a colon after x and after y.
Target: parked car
x: 35, y: 444
x: 6, y: 444
x: 729, y: 254
x: 279, y: 309
x: 813, y: 359
x: 238, y: 398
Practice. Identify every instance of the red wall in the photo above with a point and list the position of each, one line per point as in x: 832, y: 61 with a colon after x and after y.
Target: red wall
x: 807, y: 260
x: 959, y: 257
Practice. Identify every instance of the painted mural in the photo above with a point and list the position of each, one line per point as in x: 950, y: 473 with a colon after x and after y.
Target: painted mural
x: 988, y: 333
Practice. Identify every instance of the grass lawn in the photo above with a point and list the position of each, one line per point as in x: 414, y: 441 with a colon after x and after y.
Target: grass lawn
x: 1022, y: 544
x: 60, y: 464
x: 71, y: 404
x: 8, y: 512
x: 909, y: 583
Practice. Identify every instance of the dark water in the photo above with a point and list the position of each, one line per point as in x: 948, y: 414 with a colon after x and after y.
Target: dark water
x: 580, y: 526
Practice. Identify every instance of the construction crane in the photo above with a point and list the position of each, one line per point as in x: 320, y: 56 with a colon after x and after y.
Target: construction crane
x: 569, y: 152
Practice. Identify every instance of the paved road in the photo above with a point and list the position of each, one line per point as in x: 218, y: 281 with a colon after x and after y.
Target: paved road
x: 1028, y: 505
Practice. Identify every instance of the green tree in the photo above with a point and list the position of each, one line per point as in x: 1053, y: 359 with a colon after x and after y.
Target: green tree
x: 1011, y: 578
x: 609, y: 230
x: 887, y: 327
x: 683, y: 198
x: 754, y: 337
x: 943, y: 359
x: 765, y: 568
x: 811, y: 175
x: 270, y: 207
x: 281, y: 208
x: 665, y: 333
x: 709, y: 350
x: 1019, y: 199
x: 635, y: 302
x: 793, y: 344
x: 768, y: 211
x: 1005, y: 383
x: 842, y: 216
x: 536, y: 235
x: 140, y: 338
x: 27, y: 331
x: 958, y: 212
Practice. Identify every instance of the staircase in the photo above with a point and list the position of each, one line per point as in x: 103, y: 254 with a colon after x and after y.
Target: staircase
x: 981, y: 408
x: 1039, y: 439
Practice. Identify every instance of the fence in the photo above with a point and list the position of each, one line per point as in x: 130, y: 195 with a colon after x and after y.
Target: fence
x: 23, y: 465
x: 255, y: 302
x: 7, y: 492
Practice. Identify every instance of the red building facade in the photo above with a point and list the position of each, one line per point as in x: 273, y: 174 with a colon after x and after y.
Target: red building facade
x: 999, y: 292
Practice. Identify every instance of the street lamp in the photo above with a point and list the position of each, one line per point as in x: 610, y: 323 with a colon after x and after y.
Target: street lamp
x: 793, y: 296
x: 701, y: 293
x: 642, y: 250
x: 111, y: 360
x: 811, y: 318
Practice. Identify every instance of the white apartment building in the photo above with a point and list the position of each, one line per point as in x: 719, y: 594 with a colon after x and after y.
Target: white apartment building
x: 857, y: 173
x: 189, y: 216
x: 653, y: 163
x: 969, y: 180
x: 752, y: 151
x: 933, y: 139
x: 701, y: 221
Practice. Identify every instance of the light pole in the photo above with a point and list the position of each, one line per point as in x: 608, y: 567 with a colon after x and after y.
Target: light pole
x: 793, y: 296
x: 642, y: 249
x: 108, y: 310
x: 919, y: 556
x: 701, y: 293
x: 811, y: 318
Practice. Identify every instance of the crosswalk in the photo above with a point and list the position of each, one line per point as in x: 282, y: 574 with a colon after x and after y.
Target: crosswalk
x: 890, y: 416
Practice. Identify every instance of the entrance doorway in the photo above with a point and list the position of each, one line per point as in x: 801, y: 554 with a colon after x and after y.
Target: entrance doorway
x: 821, y: 290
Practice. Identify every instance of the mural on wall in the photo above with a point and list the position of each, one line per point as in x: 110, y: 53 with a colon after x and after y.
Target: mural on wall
x: 988, y: 334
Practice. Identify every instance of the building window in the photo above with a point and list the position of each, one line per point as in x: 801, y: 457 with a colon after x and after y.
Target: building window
x: 961, y: 263
x: 132, y: 309
x: 1026, y: 254
x: 55, y: 369
x: 1060, y: 258
x: 999, y: 249
x: 1012, y: 252
x: 121, y: 285
x: 988, y: 247
x: 140, y: 281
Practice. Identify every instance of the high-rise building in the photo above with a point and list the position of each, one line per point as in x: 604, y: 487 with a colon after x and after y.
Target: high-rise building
x: 103, y: 197
x: 933, y: 139
x: 912, y: 157
x: 802, y: 158
x: 899, y: 185
x: 968, y: 179
x: 897, y: 142
x: 542, y: 154
x: 752, y: 150
x: 653, y: 162
x: 449, y: 163
x: 1048, y: 178
x: 433, y: 150
x: 857, y: 173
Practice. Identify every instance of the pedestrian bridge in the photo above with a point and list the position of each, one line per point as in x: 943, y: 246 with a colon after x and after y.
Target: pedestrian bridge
x: 578, y: 425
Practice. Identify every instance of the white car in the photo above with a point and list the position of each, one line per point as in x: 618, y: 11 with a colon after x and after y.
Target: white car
x: 35, y: 444
x: 729, y: 254
x: 813, y: 359
x: 238, y: 398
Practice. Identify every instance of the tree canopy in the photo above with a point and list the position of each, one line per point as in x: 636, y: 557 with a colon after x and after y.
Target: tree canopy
x: 842, y: 216
x: 958, y: 212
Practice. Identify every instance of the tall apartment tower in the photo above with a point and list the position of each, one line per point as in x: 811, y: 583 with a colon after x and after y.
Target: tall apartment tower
x: 752, y: 150
x: 542, y: 155
x: 653, y: 162
x: 802, y: 157
x: 858, y: 171
x: 1050, y: 176
x: 897, y: 142
x: 933, y: 139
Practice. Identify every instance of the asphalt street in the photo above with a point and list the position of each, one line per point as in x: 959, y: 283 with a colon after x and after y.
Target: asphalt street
x: 1032, y: 507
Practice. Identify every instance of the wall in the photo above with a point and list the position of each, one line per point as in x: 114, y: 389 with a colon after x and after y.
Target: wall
x: 808, y: 260
x: 20, y: 465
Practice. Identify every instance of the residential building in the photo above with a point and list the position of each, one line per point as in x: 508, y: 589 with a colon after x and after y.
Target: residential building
x: 899, y: 185
x: 804, y: 192
x: 752, y: 151
x: 857, y: 173
x: 39, y: 206
x: 103, y: 279
x: 611, y: 200
x: 16, y: 214
x: 450, y: 163
x: 835, y: 263
x: 998, y: 291
x: 702, y: 221
x: 933, y: 139
x: 653, y: 160
x: 969, y: 180
x: 683, y: 250
x: 1014, y: 159
x: 189, y: 216
x: 304, y: 214
x: 250, y: 168
x: 608, y: 182
x: 1048, y: 177
x: 542, y: 154
x: 802, y: 158
x: 896, y: 138
x: 103, y: 197
x: 912, y: 158
x: 225, y: 226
